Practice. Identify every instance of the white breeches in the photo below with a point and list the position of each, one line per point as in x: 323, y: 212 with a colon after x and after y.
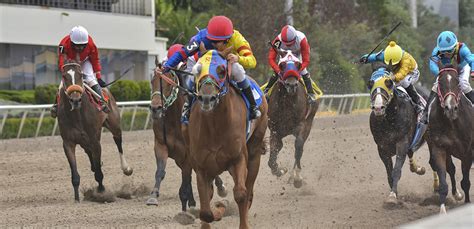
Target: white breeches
x: 463, y: 80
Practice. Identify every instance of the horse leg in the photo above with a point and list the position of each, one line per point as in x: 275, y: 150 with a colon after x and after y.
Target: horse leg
x: 451, y: 169
x: 466, y: 164
x: 97, y: 165
x: 299, y: 144
x: 440, y: 157
x: 70, y: 151
x: 185, y: 190
x: 253, y: 167
x: 432, y: 163
x: 161, y: 156
x: 221, y: 190
x: 400, y: 158
x: 112, y: 123
x: 204, y: 185
x: 414, y: 168
x: 387, y: 161
x: 239, y: 173
x: 275, y: 146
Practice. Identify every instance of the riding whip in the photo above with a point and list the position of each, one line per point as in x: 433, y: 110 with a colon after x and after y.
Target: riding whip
x: 121, y: 75
x: 386, y: 36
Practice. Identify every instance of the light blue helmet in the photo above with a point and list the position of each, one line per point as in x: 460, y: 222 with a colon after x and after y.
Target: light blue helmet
x: 447, y: 40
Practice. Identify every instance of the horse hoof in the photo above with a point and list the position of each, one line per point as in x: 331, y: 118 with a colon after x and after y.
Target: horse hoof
x: 152, y: 201
x: 421, y: 171
x: 392, y: 198
x: 184, y: 218
x: 128, y: 171
x: 280, y: 172
x: 458, y: 196
x: 442, y: 210
x: 298, y: 183
x: 222, y: 191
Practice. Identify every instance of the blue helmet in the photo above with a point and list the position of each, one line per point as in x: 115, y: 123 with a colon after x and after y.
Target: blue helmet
x: 447, y: 40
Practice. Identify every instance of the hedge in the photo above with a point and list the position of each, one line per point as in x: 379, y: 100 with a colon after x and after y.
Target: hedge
x: 126, y: 90
x: 12, y: 125
x: 46, y: 94
x: 145, y: 90
x: 23, y: 96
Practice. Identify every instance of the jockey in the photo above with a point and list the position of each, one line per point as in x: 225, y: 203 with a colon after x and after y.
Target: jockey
x: 404, y: 68
x: 449, y: 50
x: 79, y: 46
x: 294, y: 40
x: 219, y: 35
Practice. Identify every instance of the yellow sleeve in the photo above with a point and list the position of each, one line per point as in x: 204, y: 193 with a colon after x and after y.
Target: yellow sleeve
x: 243, y: 50
x: 407, y: 65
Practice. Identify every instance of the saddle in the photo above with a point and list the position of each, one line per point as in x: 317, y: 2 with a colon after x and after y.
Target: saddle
x: 95, y: 100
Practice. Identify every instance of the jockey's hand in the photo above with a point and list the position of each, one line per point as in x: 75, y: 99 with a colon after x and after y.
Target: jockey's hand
x: 472, y: 75
x: 232, y: 58
x: 165, y: 69
x: 101, y: 82
x: 364, y: 59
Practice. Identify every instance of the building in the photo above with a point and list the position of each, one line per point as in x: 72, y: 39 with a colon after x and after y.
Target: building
x: 30, y: 31
x: 444, y: 8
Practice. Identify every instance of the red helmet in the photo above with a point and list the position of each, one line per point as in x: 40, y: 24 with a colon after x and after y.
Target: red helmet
x: 173, y: 49
x: 219, y: 28
x: 288, y: 35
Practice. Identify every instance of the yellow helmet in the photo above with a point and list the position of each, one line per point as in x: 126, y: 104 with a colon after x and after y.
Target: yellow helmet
x: 393, y: 53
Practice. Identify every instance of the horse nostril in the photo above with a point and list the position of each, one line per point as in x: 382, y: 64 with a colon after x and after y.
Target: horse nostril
x: 455, y: 108
x: 213, y: 98
x: 382, y: 107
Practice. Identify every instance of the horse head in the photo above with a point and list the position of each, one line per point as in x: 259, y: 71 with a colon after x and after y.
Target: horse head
x: 449, y: 92
x: 289, y: 65
x: 211, y: 73
x: 73, y: 84
x: 164, y: 89
x: 381, y: 88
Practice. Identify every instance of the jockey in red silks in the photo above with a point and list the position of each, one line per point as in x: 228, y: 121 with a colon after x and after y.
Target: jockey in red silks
x: 294, y: 40
x: 80, y: 47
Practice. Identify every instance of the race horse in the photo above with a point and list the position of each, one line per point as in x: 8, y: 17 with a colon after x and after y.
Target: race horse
x: 166, y: 104
x: 392, y: 123
x: 451, y: 132
x: 218, y: 137
x: 289, y: 113
x: 80, y: 122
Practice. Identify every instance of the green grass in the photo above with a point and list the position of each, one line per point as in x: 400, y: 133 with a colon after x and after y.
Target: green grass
x: 23, y: 96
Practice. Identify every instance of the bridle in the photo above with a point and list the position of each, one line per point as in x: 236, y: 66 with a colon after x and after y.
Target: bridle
x: 170, y: 99
x: 73, y: 87
x: 442, y: 97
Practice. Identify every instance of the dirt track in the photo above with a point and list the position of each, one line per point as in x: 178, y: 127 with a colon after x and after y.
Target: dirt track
x: 345, y: 185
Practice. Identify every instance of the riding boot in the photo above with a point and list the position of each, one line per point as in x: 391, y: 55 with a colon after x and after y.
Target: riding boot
x: 309, y: 88
x: 186, y: 110
x: 470, y: 96
x: 103, y: 103
x: 424, y: 117
x: 422, y: 125
x: 416, y: 98
x: 254, y: 111
x: 270, y: 83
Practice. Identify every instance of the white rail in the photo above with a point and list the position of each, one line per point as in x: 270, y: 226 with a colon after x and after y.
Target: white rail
x: 337, y: 104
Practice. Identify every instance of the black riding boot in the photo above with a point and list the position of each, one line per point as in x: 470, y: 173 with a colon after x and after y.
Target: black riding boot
x: 186, y: 109
x: 416, y: 98
x: 98, y: 90
x: 270, y: 83
x: 422, y: 125
x: 309, y: 88
x: 424, y: 117
x: 470, y: 96
x: 254, y: 111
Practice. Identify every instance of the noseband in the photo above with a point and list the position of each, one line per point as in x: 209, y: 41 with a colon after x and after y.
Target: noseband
x: 441, y: 96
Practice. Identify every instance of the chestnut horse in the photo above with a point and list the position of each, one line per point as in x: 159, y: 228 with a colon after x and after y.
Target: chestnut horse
x: 80, y: 122
x: 289, y: 113
x: 217, y: 136
x: 451, y: 132
x: 166, y: 104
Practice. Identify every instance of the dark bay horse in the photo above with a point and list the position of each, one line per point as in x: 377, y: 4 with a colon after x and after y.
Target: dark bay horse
x: 80, y: 122
x: 392, y: 123
x: 289, y: 114
x: 166, y: 104
x: 217, y: 137
x: 451, y: 132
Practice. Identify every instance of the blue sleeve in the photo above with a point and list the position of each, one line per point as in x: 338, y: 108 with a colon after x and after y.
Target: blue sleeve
x: 188, y: 50
x: 375, y: 57
x: 467, y: 56
x: 434, y: 59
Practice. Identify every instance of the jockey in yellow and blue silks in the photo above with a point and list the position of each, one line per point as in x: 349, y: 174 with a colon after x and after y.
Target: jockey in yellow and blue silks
x: 219, y: 35
x: 404, y: 69
x: 448, y: 51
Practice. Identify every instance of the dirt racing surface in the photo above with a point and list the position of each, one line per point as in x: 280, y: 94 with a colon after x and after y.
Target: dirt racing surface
x: 345, y: 185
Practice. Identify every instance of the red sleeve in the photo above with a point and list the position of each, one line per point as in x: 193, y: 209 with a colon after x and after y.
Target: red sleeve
x: 61, y: 52
x: 305, y: 53
x: 94, y: 56
x: 272, y: 55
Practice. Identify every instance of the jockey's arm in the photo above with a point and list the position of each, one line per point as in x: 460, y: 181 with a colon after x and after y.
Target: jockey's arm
x: 466, y: 55
x: 272, y: 55
x: 185, y: 52
x: 242, y: 48
x: 434, y: 69
x: 407, y: 64
x: 375, y: 57
x: 305, y: 53
x: 94, y: 58
x: 61, y: 54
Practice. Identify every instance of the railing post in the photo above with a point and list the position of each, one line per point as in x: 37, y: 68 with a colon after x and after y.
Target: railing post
x: 352, y: 104
x: 55, y: 126
x: 22, y: 123
x: 147, y: 119
x: 40, y: 121
x: 321, y: 104
x: 5, y: 115
x: 133, y: 117
x: 330, y: 104
x: 341, y: 102
x: 359, y: 102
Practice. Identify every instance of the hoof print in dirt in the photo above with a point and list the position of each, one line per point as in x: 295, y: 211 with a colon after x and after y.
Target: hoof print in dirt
x: 184, y: 218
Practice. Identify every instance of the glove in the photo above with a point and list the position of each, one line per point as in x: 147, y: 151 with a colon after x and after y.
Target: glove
x: 165, y: 69
x: 472, y: 75
x: 364, y: 59
x: 101, y: 82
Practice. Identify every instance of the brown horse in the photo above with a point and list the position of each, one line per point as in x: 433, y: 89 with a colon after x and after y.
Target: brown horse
x: 166, y: 105
x: 451, y: 132
x: 289, y: 114
x: 217, y: 137
x: 80, y: 122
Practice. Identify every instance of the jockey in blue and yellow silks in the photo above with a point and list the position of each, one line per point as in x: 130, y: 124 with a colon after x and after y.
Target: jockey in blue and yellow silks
x: 404, y: 68
x: 219, y: 35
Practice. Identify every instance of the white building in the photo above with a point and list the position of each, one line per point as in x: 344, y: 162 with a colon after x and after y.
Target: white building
x: 30, y: 31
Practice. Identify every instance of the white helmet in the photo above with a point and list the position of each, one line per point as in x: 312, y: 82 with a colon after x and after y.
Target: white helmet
x: 79, y: 35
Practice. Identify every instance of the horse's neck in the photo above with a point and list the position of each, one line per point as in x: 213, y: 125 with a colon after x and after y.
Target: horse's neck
x: 173, y: 113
